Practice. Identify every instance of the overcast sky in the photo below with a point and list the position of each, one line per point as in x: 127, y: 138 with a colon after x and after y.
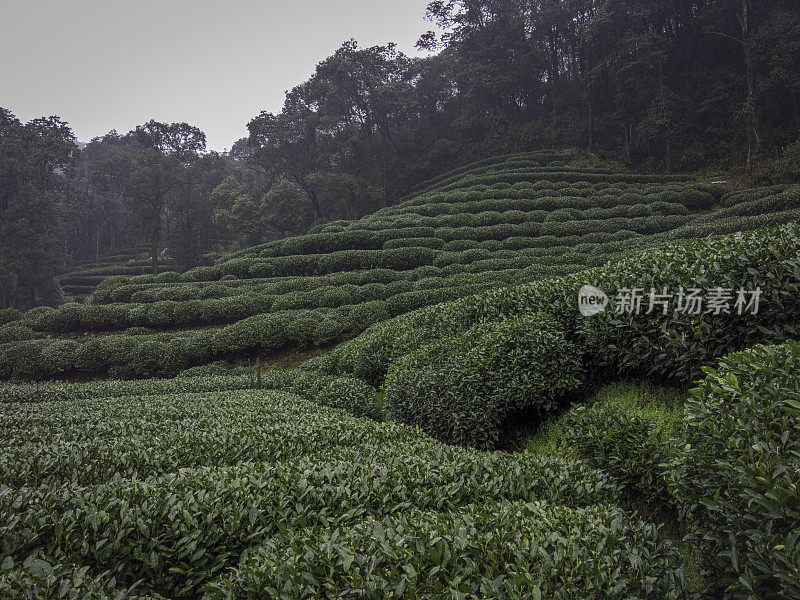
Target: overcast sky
x: 113, y: 64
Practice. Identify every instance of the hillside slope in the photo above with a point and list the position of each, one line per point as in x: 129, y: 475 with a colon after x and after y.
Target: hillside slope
x: 502, y: 221
x: 86, y: 275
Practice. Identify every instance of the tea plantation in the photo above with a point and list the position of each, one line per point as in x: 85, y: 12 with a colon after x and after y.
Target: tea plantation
x: 372, y: 470
x: 86, y: 275
x: 498, y: 222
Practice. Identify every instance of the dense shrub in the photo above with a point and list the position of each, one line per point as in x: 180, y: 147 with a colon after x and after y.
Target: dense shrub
x: 219, y: 367
x: 460, y: 389
x: 329, y: 329
x: 36, y: 577
x: 15, y: 332
x: 675, y: 345
x: 365, y: 314
x: 350, y: 394
x: 498, y: 550
x: 736, y: 476
x: 9, y: 314
x: 672, y: 346
x: 217, y: 473
x: 627, y: 446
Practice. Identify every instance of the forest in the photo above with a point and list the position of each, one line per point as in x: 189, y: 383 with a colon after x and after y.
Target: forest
x: 709, y: 86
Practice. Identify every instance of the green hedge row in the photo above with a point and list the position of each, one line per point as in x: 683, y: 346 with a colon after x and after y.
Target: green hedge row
x: 56, y: 391
x: 211, y: 503
x: 525, y: 159
x: 498, y: 550
x: 390, y: 299
x: 736, y: 475
x: 374, y: 230
x: 672, y: 346
x: 137, y: 354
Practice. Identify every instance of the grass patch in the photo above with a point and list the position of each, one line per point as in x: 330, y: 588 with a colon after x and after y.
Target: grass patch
x: 662, y: 405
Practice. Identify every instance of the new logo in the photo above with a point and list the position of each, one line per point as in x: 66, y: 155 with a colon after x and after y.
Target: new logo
x: 591, y: 300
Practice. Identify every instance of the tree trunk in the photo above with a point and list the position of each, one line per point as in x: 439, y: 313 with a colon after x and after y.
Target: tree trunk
x: 312, y: 198
x: 669, y: 154
x: 155, y: 243
x: 627, y: 142
x: 667, y: 145
x: 750, y: 103
x: 551, y: 39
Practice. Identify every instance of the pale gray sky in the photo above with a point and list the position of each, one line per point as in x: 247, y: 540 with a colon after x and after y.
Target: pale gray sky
x: 113, y: 64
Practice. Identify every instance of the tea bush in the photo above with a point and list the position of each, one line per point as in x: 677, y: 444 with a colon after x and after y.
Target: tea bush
x: 452, y: 398
x: 503, y: 550
x: 624, y: 429
x: 626, y: 446
x: 216, y: 474
x: 52, y: 391
x: 15, y: 332
x: 7, y: 315
x: 673, y: 346
x: 460, y: 389
x: 36, y: 578
x: 350, y: 394
x: 736, y: 475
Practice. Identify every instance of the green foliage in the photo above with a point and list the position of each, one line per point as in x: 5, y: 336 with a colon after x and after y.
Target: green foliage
x: 287, y: 207
x: 735, y: 475
x: 52, y: 391
x: 219, y: 367
x: 475, y: 233
x: 37, y: 578
x: 15, y: 332
x: 675, y: 346
x: 7, y: 315
x: 252, y: 466
x: 624, y: 430
x: 350, y: 394
x: 413, y: 352
x: 37, y: 158
x: 503, y: 550
x: 459, y: 389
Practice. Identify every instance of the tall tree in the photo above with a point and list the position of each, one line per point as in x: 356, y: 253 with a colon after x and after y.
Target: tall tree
x: 35, y: 161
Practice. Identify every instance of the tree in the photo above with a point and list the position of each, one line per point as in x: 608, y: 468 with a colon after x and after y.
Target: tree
x: 150, y: 165
x: 287, y: 208
x: 238, y: 210
x: 192, y: 229
x: 35, y: 162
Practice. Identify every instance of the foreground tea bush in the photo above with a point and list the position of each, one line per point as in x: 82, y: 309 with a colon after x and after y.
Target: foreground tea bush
x: 499, y: 550
x: 459, y: 389
x: 172, y: 490
x: 143, y: 435
x: 37, y: 578
x: 736, y: 477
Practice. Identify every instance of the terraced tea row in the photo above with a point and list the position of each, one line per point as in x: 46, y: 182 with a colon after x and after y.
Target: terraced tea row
x: 86, y: 275
x: 457, y: 238
x: 89, y: 482
x: 459, y: 368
